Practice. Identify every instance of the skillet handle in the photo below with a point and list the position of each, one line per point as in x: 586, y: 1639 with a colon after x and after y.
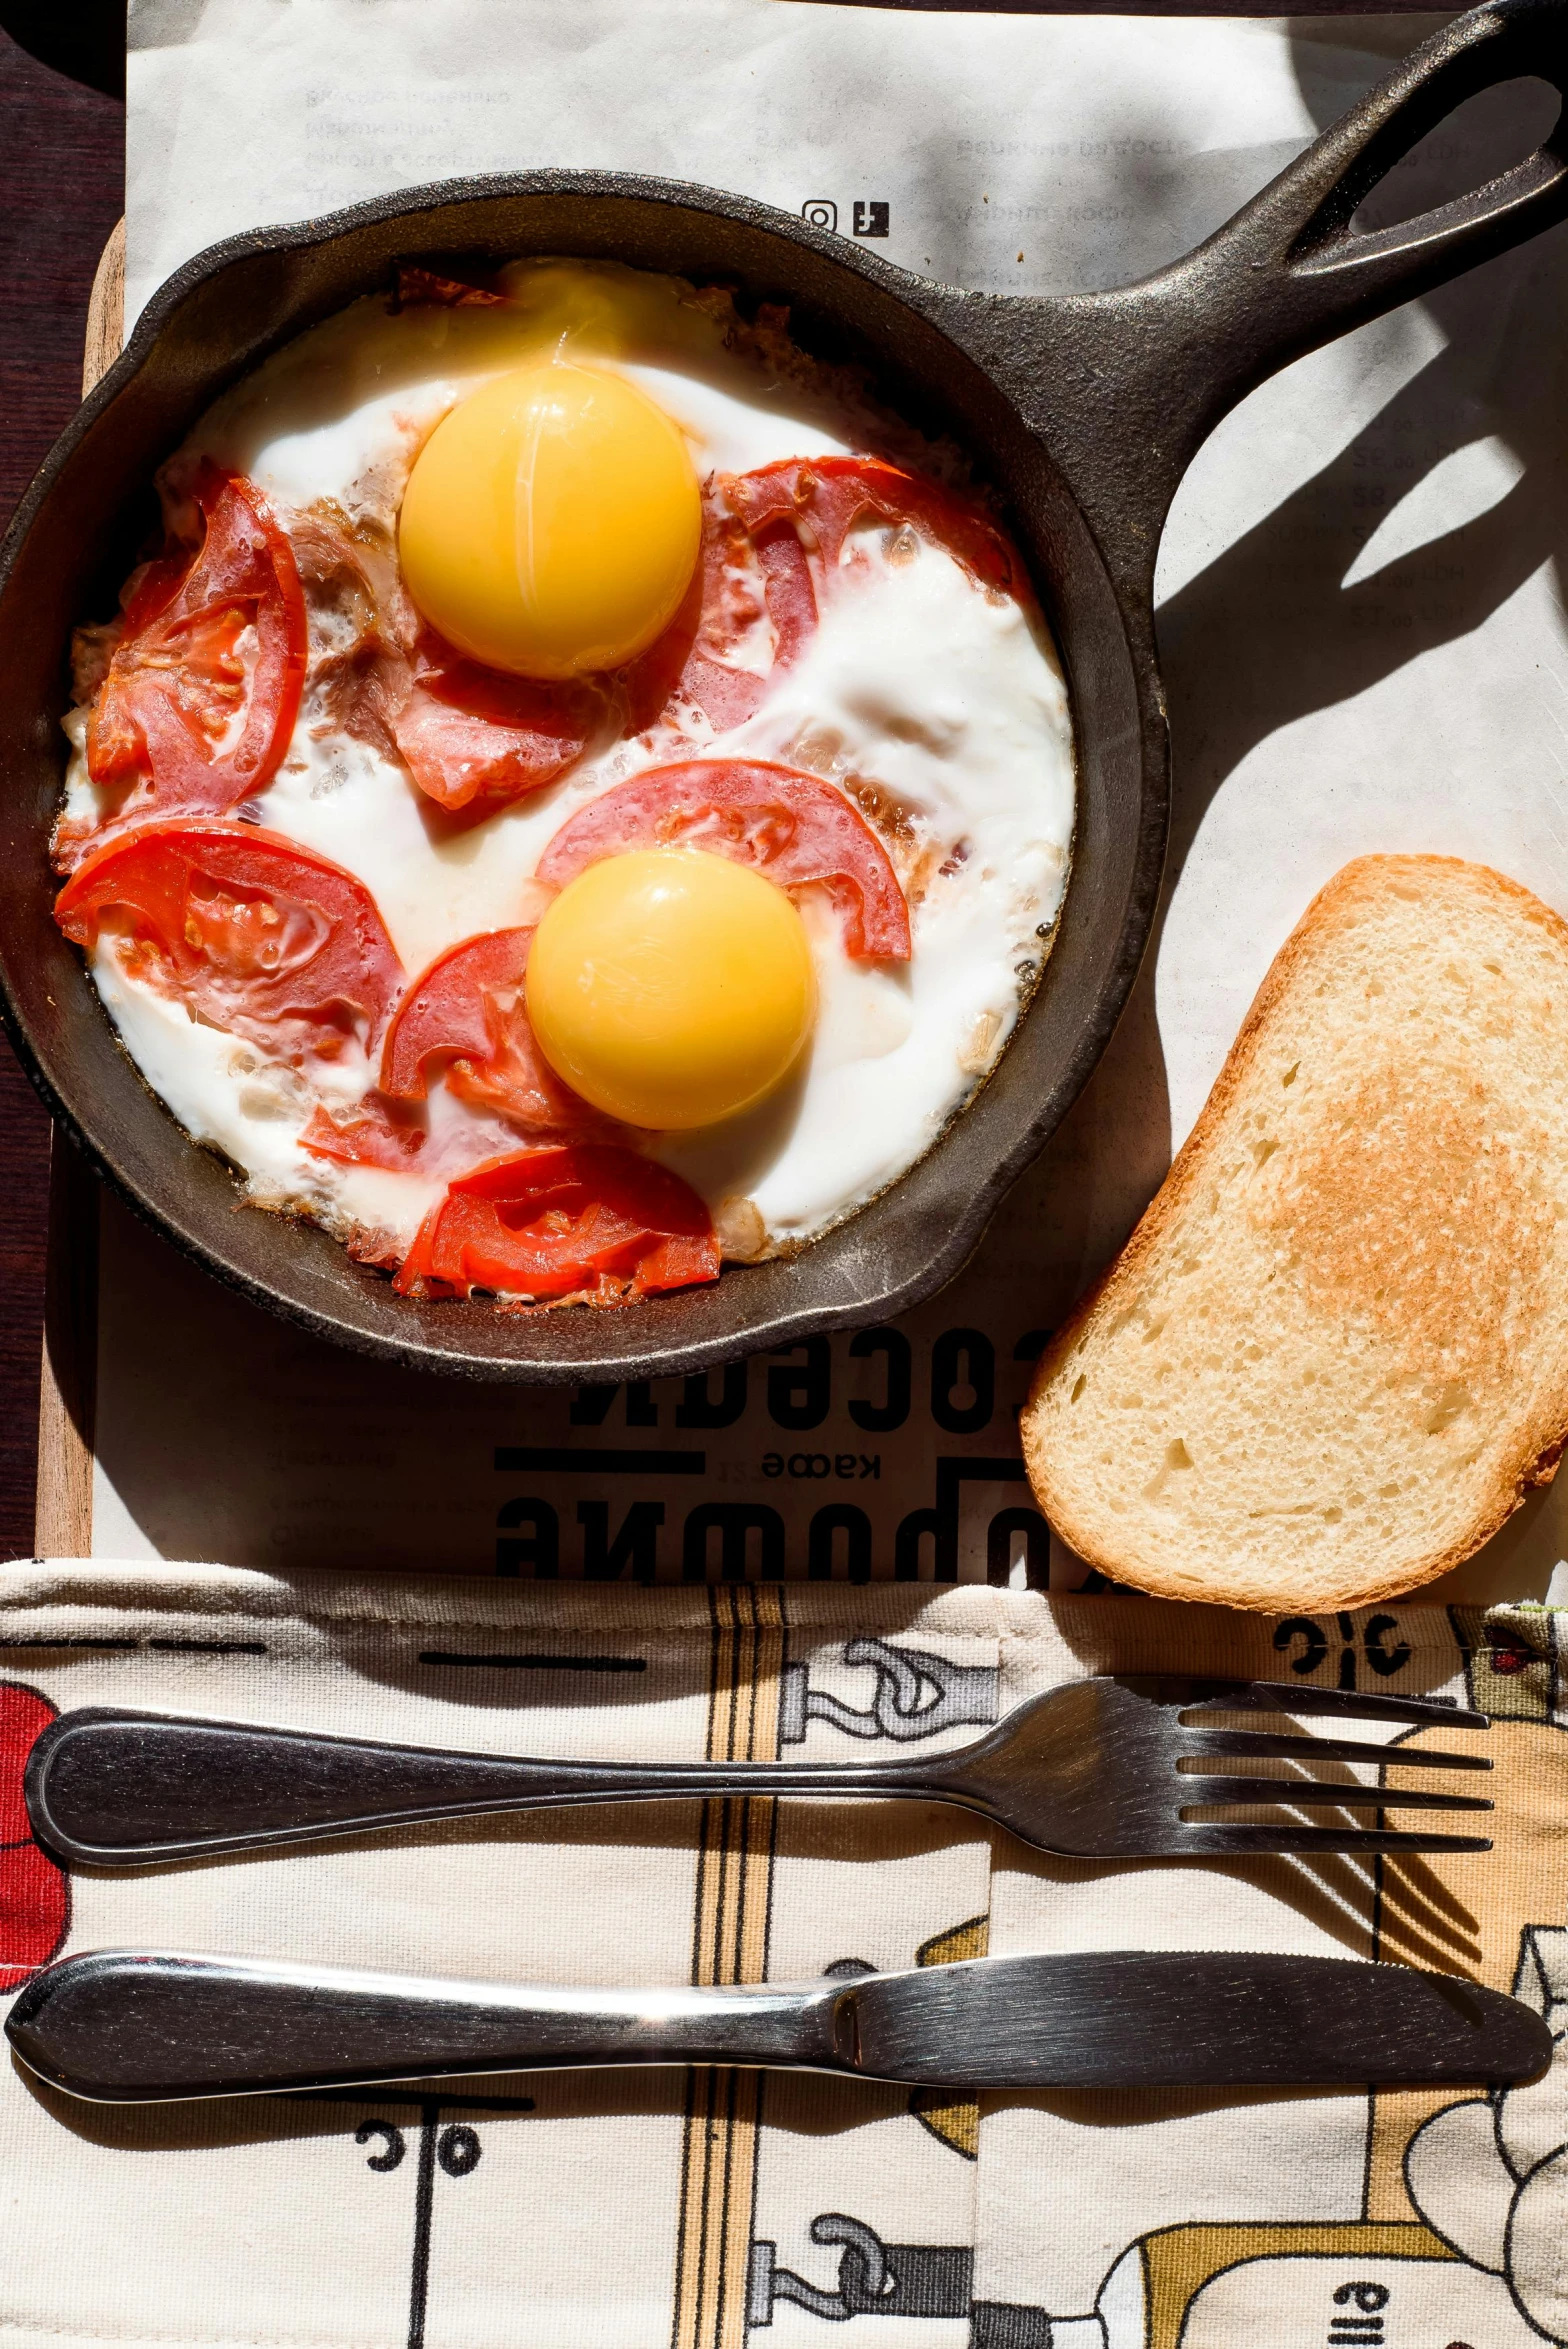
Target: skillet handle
x: 1125, y: 386
x: 1287, y: 274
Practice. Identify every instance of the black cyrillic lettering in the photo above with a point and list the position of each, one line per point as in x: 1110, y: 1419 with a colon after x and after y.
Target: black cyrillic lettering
x: 799, y: 1393
x: 538, y: 1550
x: 881, y: 1418
x: 1000, y: 1534
x: 1384, y: 1659
x: 635, y: 1545
x: 839, y: 1518
x: 962, y: 1358
x: 734, y: 1522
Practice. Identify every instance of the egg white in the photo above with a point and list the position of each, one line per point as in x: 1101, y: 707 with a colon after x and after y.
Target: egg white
x: 945, y: 700
x: 231, y: 1096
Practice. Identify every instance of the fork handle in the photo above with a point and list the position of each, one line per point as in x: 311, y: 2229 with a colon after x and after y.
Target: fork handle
x: 113, y: 1788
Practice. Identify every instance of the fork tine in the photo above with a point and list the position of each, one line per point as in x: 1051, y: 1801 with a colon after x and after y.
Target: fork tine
x: 1311, y: 1793
x: 1263, y: 1745
x: 1222, y: 1839
x: 1279, y: 1696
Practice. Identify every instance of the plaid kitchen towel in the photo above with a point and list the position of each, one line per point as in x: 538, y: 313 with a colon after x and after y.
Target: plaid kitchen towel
x: 664, y: 2210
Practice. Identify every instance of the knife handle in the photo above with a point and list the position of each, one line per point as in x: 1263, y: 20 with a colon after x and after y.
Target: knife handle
x: 129, y: 2026
x: 113, y: 1788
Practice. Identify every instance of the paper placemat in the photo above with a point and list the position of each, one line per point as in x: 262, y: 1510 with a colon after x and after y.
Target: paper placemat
x: 1364, y: 649
x: 735, y: 2210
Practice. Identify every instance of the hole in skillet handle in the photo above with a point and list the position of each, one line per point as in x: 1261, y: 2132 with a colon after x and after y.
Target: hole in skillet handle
x: 1486, y: 137
x: 1511, y: 41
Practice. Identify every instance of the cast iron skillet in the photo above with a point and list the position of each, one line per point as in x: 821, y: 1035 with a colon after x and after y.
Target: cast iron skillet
x: 1082, y: 412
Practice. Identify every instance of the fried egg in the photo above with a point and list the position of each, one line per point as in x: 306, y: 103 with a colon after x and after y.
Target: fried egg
x: 500, y: 499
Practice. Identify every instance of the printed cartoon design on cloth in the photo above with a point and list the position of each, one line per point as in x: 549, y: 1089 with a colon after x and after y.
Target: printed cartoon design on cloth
x: 916, y: 1695
x: 1480, y: 2180
x: 1491, y: 2176
x: 725, y: 2209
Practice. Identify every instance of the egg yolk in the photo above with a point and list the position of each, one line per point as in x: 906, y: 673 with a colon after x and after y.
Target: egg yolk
x: 551, y: 522
x: 671, y: 988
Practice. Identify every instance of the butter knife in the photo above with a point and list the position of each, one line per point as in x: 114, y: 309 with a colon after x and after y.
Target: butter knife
x: 123, y: 2026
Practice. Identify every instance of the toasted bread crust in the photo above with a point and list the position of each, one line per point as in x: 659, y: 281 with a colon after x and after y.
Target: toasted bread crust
x: 1249, y: 1581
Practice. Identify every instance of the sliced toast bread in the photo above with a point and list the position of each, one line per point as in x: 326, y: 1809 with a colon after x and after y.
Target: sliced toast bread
x: 1334, y: 1354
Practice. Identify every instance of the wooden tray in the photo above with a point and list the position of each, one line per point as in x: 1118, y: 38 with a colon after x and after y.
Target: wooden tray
x: 63, y: 1519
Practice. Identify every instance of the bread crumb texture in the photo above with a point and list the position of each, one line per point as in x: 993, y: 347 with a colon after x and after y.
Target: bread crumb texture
x: 1334, y: 1354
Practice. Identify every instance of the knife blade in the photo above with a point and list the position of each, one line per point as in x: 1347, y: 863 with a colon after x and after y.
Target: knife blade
x: 127, y: 2026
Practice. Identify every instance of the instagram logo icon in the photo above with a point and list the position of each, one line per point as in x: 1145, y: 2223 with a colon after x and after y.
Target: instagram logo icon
x: 819, y: 212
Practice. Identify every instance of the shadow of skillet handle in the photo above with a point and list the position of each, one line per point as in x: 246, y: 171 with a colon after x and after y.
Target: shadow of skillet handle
x: 1125, y: 386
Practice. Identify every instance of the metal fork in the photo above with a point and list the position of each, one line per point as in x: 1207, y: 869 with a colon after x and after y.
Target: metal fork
x: 1098, y: 1769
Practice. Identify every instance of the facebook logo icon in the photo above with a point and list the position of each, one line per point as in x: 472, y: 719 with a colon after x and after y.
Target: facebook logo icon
x: 871, y: 220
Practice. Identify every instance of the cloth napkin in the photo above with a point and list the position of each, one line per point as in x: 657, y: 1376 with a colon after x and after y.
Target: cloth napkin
x: 694, y: 2210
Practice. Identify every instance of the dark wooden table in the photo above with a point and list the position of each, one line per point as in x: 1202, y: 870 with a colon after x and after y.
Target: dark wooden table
x: 62, y: 188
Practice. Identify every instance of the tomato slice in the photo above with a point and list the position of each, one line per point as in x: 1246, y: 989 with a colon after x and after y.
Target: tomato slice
x: 470, y: 737
x: 373, y: 1135
x: 793, y: 827
x: 584, y: 1220
x: 204, y: 686
x: 771, y: 541
x: 822, y: 498
x: 468, y: 1011
x: 467, y: 733
x: 465, y: 1019
x: 740, y: 587
x: 704, y: 658
x: 257, y: 935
